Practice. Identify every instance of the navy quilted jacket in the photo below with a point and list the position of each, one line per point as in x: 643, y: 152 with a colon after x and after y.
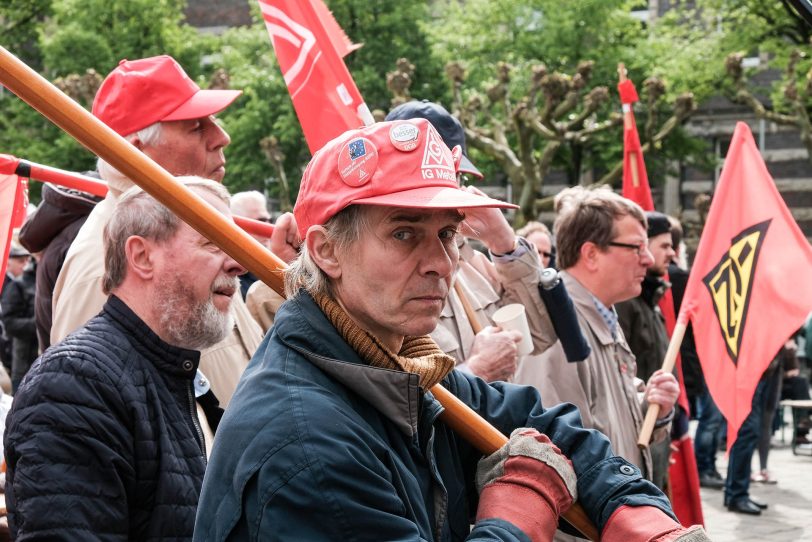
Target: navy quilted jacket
x: 102, y: 441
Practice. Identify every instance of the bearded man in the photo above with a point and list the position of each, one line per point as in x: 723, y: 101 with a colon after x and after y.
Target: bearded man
x: 103, y: 440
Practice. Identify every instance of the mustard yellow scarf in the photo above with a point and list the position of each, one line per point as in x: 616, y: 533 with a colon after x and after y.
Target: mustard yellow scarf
x: 419, y: 355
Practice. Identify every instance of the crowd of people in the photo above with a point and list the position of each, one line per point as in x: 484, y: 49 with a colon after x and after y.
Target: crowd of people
x: 156, y: 410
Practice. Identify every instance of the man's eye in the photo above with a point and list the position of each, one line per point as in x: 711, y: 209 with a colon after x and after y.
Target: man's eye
x: 403, y: 235
x: 448, y: 234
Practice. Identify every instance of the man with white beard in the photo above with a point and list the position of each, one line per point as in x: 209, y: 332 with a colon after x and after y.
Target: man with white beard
x: 103, y: 439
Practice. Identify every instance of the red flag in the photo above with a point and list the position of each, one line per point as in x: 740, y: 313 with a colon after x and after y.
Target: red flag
x: 741, y: 295
x: 635, y: 179
x: 667, y: 308
x: 10, y: 189
x: 310, y: 47
x: 684, y: 482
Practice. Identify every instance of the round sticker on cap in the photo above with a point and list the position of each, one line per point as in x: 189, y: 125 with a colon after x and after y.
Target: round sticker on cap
x: 404, y: 136
x: 357, y: 161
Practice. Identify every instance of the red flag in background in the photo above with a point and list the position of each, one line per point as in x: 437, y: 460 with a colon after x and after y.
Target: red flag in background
x: 742, y: 296
x: 310, y: 47
x: 635, y: 179
x: 13, y: 201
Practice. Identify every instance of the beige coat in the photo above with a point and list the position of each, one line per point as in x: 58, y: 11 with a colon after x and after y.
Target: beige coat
x: 489, y: 286
x: 602, y: 386
x: 78, y: 297
x: 263, y: 303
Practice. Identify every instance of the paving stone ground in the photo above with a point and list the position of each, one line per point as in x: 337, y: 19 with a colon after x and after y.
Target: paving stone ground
x: 789, y: 517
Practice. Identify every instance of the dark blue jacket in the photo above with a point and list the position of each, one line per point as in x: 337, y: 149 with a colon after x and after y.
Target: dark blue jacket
x: 317, y: 445
x: 102, y: 441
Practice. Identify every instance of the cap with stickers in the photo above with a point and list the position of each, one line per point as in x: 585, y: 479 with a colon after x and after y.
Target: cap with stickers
x: 392, y: 164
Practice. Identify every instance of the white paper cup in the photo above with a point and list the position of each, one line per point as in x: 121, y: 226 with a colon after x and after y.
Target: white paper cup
x: 512, y: 317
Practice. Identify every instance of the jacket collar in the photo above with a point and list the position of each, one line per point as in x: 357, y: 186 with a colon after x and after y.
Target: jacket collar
x: 177, y: 361
x: 301, y: 325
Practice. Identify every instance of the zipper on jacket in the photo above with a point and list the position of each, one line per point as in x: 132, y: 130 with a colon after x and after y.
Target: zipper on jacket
x: 195, y: 422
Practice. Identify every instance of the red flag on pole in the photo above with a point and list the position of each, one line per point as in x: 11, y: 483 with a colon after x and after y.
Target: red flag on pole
x: 739, y: 296
x: 11, y: 214
x: 310, y: 47
x: 635, y: 179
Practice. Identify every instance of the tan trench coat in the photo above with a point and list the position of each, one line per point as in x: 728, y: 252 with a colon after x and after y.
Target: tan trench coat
x: 602, y: 386
x: 78, y: 297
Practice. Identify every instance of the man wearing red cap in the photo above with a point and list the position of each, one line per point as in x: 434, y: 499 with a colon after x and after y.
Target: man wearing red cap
x: 153, y: 104
x: 333, y: 433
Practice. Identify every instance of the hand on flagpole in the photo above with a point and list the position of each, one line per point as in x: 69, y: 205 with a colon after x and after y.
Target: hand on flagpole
x: 662, y: 389
x: 285, y: 240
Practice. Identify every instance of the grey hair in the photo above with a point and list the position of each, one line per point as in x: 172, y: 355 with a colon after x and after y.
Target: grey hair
x: 343, y: 229
x: 589, y: 215
x: 138, y: 213
x: 152, y: 135
x: 239, y: 200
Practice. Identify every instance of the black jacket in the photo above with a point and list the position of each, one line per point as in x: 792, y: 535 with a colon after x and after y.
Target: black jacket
x: 51, y: 230
x: 102, y: 441
x: 17, y: 304
x: 644, y: 326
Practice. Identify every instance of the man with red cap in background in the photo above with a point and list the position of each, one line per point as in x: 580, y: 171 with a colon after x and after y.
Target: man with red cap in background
x: 333, y: 433
x: 153, y: 104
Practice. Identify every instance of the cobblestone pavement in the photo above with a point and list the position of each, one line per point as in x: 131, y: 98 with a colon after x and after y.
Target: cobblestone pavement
x: 789, y: 516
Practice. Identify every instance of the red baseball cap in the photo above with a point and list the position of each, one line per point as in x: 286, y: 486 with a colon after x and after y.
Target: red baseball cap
x: 139, y: 93
x: 393, y: 164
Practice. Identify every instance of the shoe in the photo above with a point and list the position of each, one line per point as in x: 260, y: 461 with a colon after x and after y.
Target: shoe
x: 708, y: 480
x: 761, y: 505
x: 763, y: 477
x: 744, y: 506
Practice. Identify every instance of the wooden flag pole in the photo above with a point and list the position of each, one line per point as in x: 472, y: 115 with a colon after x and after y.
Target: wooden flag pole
x: 628, y: 119
x: 200, y: 215
x: 470, y: 313
x: 668, y: 366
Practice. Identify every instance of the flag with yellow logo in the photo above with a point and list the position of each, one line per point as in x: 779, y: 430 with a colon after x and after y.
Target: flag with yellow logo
x: 748, y: 289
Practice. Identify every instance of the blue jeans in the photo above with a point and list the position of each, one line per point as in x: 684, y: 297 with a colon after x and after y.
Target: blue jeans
x: 706, y: 440
x: 737, y: 485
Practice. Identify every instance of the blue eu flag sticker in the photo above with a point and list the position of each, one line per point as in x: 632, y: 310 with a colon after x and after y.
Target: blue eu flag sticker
x: 357, y: 149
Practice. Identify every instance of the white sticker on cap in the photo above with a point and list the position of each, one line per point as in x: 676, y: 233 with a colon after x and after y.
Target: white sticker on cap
x: 404, y: 136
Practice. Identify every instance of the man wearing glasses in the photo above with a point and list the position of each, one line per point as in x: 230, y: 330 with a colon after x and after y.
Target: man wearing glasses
x: 602, y: 249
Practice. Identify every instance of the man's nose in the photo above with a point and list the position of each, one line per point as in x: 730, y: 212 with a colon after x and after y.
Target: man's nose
x: 439, y: 258
x: 218, y: 137
x: 646, y: 257
x: 232, y: 267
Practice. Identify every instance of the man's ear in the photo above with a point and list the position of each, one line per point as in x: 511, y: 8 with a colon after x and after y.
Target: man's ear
x: 136, y: 142
x: 323, y: 251
x: 589, y: 255
x: 140, y: 257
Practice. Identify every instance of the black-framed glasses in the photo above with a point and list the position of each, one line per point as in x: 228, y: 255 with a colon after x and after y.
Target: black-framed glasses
x: 638, y: 249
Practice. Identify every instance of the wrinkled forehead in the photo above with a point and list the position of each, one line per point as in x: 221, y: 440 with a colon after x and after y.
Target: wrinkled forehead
x: 416, y: 215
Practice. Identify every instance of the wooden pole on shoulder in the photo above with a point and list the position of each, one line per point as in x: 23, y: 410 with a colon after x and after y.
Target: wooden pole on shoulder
x: 200, y: 215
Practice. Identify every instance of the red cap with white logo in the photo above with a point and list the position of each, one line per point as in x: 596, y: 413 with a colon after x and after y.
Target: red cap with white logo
x: 393, y: 164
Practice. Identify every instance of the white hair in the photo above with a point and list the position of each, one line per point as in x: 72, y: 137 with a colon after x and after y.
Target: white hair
x: 152, y: 135
x: 240, y: 202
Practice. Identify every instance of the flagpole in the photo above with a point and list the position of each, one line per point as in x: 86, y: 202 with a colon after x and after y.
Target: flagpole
x: 200, y: 215
x: 77, y: 181
x: 668, y: 365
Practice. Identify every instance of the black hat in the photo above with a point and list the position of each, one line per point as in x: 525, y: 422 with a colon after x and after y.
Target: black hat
x: 658, y: 224
x: 444, y: 122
